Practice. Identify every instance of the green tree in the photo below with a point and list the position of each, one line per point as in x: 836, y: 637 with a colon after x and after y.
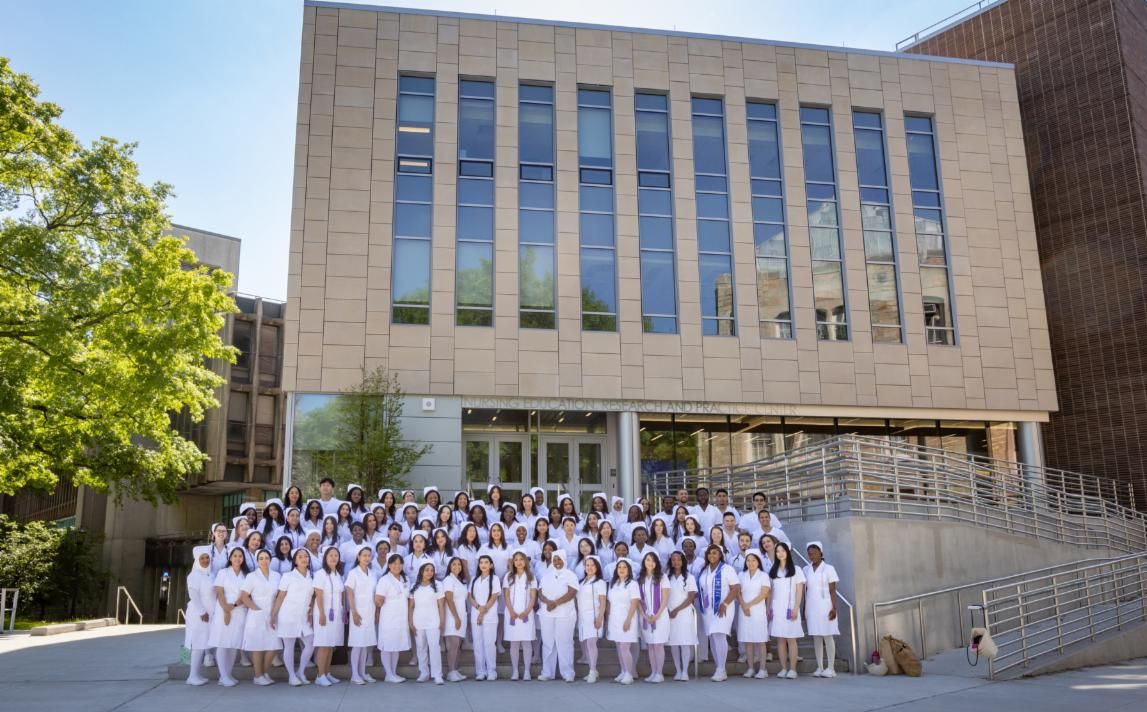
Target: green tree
x: 57, y: 570
x: 369, y: 447
x: 104, y: 328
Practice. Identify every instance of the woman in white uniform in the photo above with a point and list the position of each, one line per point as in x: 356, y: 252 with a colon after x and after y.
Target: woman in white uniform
x: 592, y: 603
x: 419, y: 553
x: 557, y: 594
x: 497, y: 549
x: 258, y: 595
x: 485, y: 593
x: 200, y: 603
x: 362, y: 635
x: 328, y: 615
x: 787, y: 592
x: 468, y: 547
x: 654, y: 589
x: 682, y: 614
x: 455, y: 615
x: 226, y: 634
x: 426, y: 617
x: 519, y: 591
x: 624, y: 601
x: 717, y: 589
x: 390, y: 597
x: 820, y: 609
x: 291, y: 616
x: 604, y: 543
x: 661, y: 541
x: 753, y: 621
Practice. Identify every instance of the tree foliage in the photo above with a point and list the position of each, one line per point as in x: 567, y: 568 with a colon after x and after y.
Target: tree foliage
x: 104, y: 329
x: 56, y: 570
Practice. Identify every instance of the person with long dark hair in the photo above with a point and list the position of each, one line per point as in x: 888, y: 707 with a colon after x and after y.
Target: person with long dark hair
x: 328, y: 615
x: 293, y: 498
x: 682, y: 614
x: 362, y: 634
x: 718, y: 588
x: 485, y: 593
x: 273, y: 519
x: 654, y: 588
x: 257, y: 595
x: 426, y: 615
x: 623, y: 628
x: 292, y: 616
x: 390, y: 597
x: 753, y: 623
x: 454, y: 615
x: 520, y: 592
x: 591, y: 608
x: 228, y: 617
x: 787, y: 592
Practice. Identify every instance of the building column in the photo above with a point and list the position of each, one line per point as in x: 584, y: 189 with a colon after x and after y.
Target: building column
x: 628, y: 457
x: 1029, y: 450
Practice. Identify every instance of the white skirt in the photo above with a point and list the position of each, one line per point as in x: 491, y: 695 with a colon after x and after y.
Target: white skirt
x: 816, y: 616
x: 333, y: 634
x: 393, y: 630
x: 585, y: 629
x: 753, y: 628
x: 450, y: 628
x: 257, y: 633
x: 658, y: 634
x: 715, y: 624
x: 683, y: 628
x: 196, y: 633
x: 362, y: 636
x: 223, y: 635
x: 782, y: 627
x: 520, y: 631
x: 292, y: 623
x: 616, y: 627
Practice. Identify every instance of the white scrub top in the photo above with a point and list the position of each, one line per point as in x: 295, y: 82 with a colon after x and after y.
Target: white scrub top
x: 621, y: 597
x: 589, y: 607
x: 426, y: 606
x: 553, y: 585
x: 393, y: 616
x: 818, y: 599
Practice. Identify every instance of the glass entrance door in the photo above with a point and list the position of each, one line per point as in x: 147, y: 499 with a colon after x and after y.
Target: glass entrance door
x: 570, y: 465
x: 563, y: 464
x: 496, y: 459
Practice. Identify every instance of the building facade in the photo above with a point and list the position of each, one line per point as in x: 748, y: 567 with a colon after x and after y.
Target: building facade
x: 590, y: 251
x: 1081, y: 75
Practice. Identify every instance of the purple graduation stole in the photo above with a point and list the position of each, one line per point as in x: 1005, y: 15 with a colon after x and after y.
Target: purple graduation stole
x: 656, y: 603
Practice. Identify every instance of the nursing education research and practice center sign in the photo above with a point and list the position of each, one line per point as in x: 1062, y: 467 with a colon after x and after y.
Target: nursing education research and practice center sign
x: 614, y: 405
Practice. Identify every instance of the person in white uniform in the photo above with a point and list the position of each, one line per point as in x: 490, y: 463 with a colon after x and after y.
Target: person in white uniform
x: 753, y: 618
x: 557, y: 591
x: 328, y: 615
x: 391, y: 595
x: 200, y: 603
x: 787, y: 591
x: 362, y: 634
x: 426, y: 615
x: 291, y: 616
x: 654, y: 587
x: 682, y: 614
x: 820, y: 609
x: 455, y: 615
x: 717, y: 589
x: 624, y: 601
x: 520, y: 592
x: 592, y: 603
x: 485, y: 592
x: 257, y: 595
x: 228, y: 617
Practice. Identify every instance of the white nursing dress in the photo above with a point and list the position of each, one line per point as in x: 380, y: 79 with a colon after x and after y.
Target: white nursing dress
x: 257, y: 632
x: 657, y: 634
x: 682, y: 628
x: 222, y: 634
x: 589, y: 607
x: 201, y: 599
x: 394, y: 615
x: 713, y: 594
x: 458, y: 592
x: 783, y: 600
x: 621, y: 597
x: 818, y: 600
x: 360, y: 585
x: 332, y: 634
x: 518, y: 592
x: 753, y: 628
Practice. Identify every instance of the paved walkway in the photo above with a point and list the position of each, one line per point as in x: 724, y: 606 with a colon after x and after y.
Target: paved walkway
x: 125, y: 668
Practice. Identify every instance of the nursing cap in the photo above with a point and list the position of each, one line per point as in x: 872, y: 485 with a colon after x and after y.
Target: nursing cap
x: 297, y: 550
x: 492, y: 485
x: 560, y: 553
x: 376, y: 505
x: 351, y: 487
x: 273, y: 500
x: 409, y: 505
x: 314, y: 533
x: 200, y: 551
x: 382, y: 492
x: 564, y: 497
x: 476, y: 503
x: 362, y: 548
x: 428, y: 490
x: 216, y: 525
x: 616, y: 500
x: 817, y: 544
x: 293, y: 508
x: 235, y: 520
x: 602, y: 495
x: 511, y: 505
x: 246, y: 506
x: 419, y: 532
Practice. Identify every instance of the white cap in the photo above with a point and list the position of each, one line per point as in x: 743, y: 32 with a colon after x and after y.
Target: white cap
x: 817, y: 544
x: 247, y: 505
x: 559, y: 553
x: 352, y: 486
x: 382, y: 493
x: 428, y: 490
x: 273, y: 500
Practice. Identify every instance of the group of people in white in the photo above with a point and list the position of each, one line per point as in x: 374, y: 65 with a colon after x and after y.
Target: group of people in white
x: 290, y: 584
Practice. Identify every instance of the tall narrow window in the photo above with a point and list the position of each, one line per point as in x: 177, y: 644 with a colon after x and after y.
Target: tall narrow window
x: 474, y: 273
x: 595, y: 206
x: 828, y: 295
x: 714, y: 237
x: 931, y: 241
x: 536, y: 305
x: 772, y: 248
x: 655, y: 215
x: 413, y: 201
x: 876, y: 221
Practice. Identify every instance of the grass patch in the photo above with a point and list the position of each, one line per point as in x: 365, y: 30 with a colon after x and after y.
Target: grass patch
x: 27, y: 624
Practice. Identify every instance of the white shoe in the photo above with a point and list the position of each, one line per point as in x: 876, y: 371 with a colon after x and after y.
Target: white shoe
x: 720, y: 676
x: 762, y: 673
x: 544, y: 678
x: 514, y: 676
x: 229, y: 682
x: 829, y: 672
x: 591, y: 677
x: 492, y: 676
x: 295, y: 682
x: 423, y: 677
x: 748, y: 673
x: 742, y: 658
x: 305, y: 681
x: 768, y: 657
x: 439, y: 681
x: 782, y: 674
x: 322, y: 681
x: 526, y: 675
x: 333, y: 680
x: 626, y: 680
x: 619, y: 676
x: 197, y: 681
x: 278, y: 661
x: 244, y: 662
x: 395, y: 679
x: 366, y: 676
x: 792, y: 674
x: 208, y: 660
x: 357, y: 681
x: 263, y: 681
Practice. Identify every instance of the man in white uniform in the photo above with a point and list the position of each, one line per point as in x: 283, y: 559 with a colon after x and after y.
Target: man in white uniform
x: 326, y: 497
x: 707, y: 515
x: 750, y: 522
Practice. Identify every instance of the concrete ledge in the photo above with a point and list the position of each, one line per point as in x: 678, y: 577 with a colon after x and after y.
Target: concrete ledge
x: 57, y: 628
x: 1113, y: 647
x: 96, y: 623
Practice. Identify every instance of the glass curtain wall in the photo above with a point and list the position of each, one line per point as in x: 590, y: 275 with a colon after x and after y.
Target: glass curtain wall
x: 413, y: 201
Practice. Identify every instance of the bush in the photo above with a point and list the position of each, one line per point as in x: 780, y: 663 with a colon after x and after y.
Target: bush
x: 57, y: 570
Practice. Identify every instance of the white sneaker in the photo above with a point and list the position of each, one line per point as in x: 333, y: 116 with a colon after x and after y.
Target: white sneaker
x: 768, y: 657
x: 424, y: 677
x: 263, y: 681
x: 829, y: 672
x: 748, y: 673
x: 720, y: 676
x: 439, y: 681
x: 357, y: 681
x: 295, y: 682
x: 626, y: 680
x: 322, y: 681
x: 591, y: 677
x: 514, y: 675
x: 366, y: 676
x: 818, y: 673
x: 208, y: 660
x: 197, y: 681
x: 244, y: 662
x: 742, y: 658
x: 479, y: 678
x: 305, y: 681
x: 762, y: 673
x: 492, y: 676
x: 544, y: 678
x: 278, y: 661
x: 395, y: 679
x: 228, y: 682
x: 332, y: 679
x: 792, y: 674
x: 526, y: 675
x: 619, y: 676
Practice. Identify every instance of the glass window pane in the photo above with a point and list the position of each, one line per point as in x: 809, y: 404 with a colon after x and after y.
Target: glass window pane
x: 926, y: 198
x: 713, y: 236
x: 654, y: 202
x: 510, y: 462
x: 712, y: 184
x: 708, y: 144
x: 820, y: 191
x: 865, y: 119
x: 475, y: 192
x: 478, y: 462
x: 934, y: 287
x: 645, y: 179
x: 712, y: 206
x: 411, y: 272
x: 536, y: 133
x: 870, y: 158
x: 656, y: 233
x: 659, y: 324
x: 598, y: 281
x: 535, y: 172
x: 652, y: 141
x: 878, y: 246
x: 536, y: 226
x: 476, y: 129
x: 918, y: 123
x: 589, y: 463
x: 922, y: 162
x: 817, y: 144
x: 475, y: 275
x: 822, y: 214
x: 716, y: 272
x: 536, y: 277
x: 875, y: 217
x: 707, y: 106
x: 761, y: 110
x: 767, y: 187
x: 476, y: 224
x: 882, y: 300
x: 764, y: 154
x: 931, y: 249
x: 928, y: 221
x: 596, y: 199
x: 825, y: 243
x: 886, y: 334
x: 415, y: 110
x: 657, y: 102
x: 536, y: 195
x: 873, y: 195
x: 773, y: 288
x: 417, y: 189
x: 596, y: 229
x: 594, y: 140
x: 768, y: 210
x: 828, y: 291
x: 658, y: 293
x: 596, y: 176
x: 770, y: 240
x: 530, y: 92
x: 468, y: 87
x: 592, y: 97
x: 814, y: 114
x: 422, y: 85
x: 412, y: 220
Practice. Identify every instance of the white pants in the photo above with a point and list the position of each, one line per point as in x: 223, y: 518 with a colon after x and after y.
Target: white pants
x: 557, y: 645
x: 429, y: 652
x: 485, y: 640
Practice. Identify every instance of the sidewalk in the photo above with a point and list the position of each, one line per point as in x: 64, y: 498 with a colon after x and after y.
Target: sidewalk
x: 125, y: 668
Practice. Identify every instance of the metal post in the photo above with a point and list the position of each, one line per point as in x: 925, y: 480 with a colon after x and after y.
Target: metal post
x: 1022, y: 634
x: 920, y: 615
x: 1090, y: 610
x: 988, y: 627
x: 1058, y: 615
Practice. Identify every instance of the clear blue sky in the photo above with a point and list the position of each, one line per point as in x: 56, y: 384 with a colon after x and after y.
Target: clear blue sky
x: 208, y: 88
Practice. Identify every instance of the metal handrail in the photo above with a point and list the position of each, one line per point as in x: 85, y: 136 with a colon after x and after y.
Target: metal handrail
x: 937, y: 26
x: 1045, y: 615
x: 851, y: 618
x: 920, y: 598
x: 180, y: 616
x: 7, y: 611
x: 121, y: 593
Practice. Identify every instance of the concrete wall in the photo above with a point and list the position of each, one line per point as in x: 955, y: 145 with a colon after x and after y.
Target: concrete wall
x: 884, y: 559
x: 1116, y: 647
x: 442, y: 429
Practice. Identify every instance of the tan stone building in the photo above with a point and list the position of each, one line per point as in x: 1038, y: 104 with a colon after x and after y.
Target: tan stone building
x: 590, y: 251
